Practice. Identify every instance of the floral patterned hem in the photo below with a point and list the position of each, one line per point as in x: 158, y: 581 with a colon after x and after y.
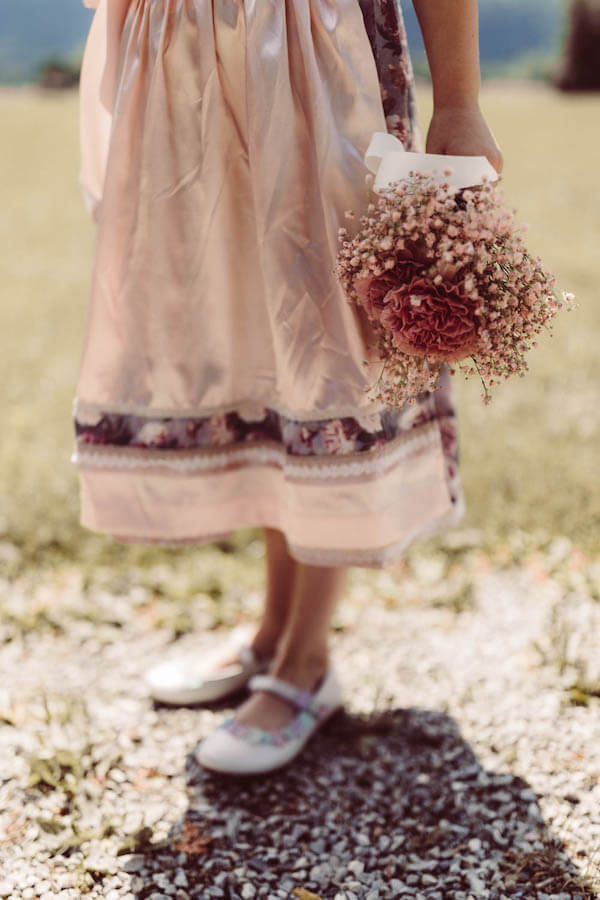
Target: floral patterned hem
x: 317, y: 437
x: 345, y: 468
x: 367, y: 444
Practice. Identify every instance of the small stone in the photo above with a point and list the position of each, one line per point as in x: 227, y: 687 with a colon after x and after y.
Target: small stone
x: 356, y: 866
x: 181, y: 879
x: 113, y: 895
x: 319, y: 872
x: 135, y: 863
x: 475, y: 845
x: 248, y: 891
x: 534, y: 813
x: 475, y: 884
x: 6, y: 888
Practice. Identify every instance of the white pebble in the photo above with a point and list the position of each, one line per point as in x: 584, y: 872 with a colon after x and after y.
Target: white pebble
x: 181, y: 878
x: 356, y: 867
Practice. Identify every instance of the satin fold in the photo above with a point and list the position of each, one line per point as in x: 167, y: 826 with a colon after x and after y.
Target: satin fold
x: 235, y: 145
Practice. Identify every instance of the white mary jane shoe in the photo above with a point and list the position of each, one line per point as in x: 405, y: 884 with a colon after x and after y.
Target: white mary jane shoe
x: 197, y: 678
x: 237, y: 749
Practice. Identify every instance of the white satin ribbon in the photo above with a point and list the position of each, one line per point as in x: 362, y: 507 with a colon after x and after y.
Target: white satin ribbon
x: 389, y: 162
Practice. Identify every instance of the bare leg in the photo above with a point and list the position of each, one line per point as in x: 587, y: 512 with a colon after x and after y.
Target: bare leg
x: 281, y: 578
x: 302, y: 652
x: 280, y: 581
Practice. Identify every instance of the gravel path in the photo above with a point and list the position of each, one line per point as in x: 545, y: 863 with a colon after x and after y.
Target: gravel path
x: 466, y: 765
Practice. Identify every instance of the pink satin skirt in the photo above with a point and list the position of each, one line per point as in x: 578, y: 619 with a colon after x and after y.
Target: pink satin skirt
x: 224, y: 379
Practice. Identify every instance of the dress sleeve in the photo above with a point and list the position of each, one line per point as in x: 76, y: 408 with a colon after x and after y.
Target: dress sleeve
x: 95, y: 119
x: 97, y: 89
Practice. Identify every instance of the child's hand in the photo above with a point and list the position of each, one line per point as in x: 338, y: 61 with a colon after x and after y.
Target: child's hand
x: 463, y: 131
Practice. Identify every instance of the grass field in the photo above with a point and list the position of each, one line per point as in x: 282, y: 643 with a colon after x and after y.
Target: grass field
x: 529, y: 461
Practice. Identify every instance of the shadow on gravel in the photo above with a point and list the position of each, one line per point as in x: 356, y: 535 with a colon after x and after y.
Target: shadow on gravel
x: 387, y: 806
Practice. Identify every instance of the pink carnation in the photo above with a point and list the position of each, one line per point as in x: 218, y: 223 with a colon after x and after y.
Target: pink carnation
x: 431, y: 320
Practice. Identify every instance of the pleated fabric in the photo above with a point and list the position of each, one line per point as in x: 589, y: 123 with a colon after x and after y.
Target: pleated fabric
x: 224, y: 379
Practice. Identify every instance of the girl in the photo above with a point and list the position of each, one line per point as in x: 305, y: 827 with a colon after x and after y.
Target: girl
x: 224, y: 377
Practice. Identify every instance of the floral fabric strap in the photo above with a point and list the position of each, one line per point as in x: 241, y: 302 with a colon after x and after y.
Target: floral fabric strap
x: 304, y: 700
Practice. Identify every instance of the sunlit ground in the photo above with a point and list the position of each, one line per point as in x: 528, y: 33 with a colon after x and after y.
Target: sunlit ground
x: 529, y: 461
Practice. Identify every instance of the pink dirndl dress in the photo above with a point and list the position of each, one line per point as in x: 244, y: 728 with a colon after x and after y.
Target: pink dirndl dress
x: 224, y: 377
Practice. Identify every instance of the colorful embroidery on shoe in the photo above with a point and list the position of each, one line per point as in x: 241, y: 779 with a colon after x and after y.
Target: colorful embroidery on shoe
x: 278, y: 737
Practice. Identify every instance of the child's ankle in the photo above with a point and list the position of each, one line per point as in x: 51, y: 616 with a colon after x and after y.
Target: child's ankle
x: 305, y: 672
x: 264, y: 644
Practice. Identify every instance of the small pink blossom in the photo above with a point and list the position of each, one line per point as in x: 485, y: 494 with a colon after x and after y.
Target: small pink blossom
x: 334, y: 438
x: 152, y: 434
x: 218, y: 431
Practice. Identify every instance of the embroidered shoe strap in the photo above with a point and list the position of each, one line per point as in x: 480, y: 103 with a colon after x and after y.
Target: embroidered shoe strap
x: 303, y: 699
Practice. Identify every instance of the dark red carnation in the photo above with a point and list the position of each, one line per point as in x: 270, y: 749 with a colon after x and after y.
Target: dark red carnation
x: 430, y: 320
x: 373, y: 289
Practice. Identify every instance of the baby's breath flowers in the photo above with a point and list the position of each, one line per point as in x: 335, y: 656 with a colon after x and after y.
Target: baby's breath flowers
x: 444, y: 276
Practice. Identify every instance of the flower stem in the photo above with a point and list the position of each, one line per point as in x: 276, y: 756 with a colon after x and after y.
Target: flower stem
x: 484, y: 385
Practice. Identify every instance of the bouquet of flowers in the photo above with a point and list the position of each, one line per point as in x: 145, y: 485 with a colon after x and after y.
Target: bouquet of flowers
x: 441, y: 270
